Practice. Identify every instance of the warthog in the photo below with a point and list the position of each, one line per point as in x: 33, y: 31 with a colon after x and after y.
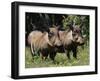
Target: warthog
x: 43, y: 42
x: 70, y: 39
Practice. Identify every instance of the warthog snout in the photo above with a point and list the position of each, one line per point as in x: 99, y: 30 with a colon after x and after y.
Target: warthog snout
x: 57, y: 42
x: 54, y: 36
x: 81, y: 41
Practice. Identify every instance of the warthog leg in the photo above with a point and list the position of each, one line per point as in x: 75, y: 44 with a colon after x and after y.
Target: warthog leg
x: 32, y: 51
x: 68, y: 54
x: 44, y: 54
x: 52, y: 55
x: 74, y: 53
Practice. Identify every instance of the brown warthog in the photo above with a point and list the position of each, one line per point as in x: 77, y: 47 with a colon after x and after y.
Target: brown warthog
x: 70, y: 39
x: 43, y: 42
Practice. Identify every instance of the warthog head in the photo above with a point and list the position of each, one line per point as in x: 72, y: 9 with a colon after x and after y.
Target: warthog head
x: 54, y: 36
x: 77, y: 37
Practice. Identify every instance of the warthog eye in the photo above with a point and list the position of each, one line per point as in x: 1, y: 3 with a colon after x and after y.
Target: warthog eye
x: 76, y: 39
x: 51, y: 34
x: 74, y: 34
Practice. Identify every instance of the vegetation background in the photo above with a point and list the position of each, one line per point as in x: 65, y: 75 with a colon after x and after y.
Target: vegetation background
x: 42, y: 21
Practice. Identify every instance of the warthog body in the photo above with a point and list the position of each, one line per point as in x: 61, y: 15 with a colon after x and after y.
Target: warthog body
x: 43, y: 42
x: 70, y: 39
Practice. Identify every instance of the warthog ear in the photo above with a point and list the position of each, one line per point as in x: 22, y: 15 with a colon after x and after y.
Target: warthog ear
x: 71, y: 27
x: 56, y: 26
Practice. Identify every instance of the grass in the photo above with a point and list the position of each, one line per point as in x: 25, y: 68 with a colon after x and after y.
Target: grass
x: 60, y: 59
